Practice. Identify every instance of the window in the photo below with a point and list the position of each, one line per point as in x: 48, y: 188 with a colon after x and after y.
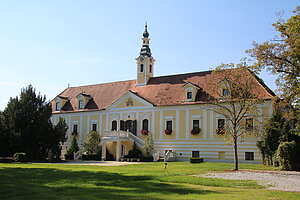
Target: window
x: 196, y: 124
x: 75, y: 128
x: 142, y: 68
x: 249, y: 155
x: 57, y: 106
x: 249, y: 124
x: 150, y: 68
x: 195, y: 154
x: 145, y: 124
x: 169, y: 125
x: 114, y: 125
x: 221, y: 126
x: 94, y: 127
x: 189, y: 95
x: 225, y: 92
x: 80, y: 104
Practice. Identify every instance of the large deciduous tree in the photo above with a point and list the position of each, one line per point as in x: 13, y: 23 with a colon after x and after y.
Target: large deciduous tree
x: 281, y: 56
x: 236, y: 103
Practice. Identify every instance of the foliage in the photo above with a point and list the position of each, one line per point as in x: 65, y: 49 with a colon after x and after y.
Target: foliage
x: 20, y: 157
x: 28, y: 125
x: 196, y: 160
x: 58, y: 137
x: 109, y: 156
x: 149, y: 144
x: 278, y: 144
x: 134, y: 152
x: 91, y: 156
x: 72, y: 149
x: 281, y: 56
x: 287, y: 155
x: 168, y: 132
x: 92, y: 145
x: 236, y: 103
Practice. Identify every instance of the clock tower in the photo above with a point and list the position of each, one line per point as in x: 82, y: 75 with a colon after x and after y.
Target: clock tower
x: 145, y: 61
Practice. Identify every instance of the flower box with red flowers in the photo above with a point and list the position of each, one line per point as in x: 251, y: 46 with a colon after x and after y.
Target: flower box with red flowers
x: 144, y: 132
x: 195, y: 131
x: 168, y: 132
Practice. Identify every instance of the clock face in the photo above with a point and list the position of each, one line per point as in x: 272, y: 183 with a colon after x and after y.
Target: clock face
x: 141, y: 59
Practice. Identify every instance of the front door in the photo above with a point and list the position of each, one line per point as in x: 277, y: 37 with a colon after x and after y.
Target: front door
x: 130, y: 125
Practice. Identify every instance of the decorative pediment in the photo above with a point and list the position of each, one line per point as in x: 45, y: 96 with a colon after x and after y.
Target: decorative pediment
x: 59, y: 102
x: 130, y: 100
x: 82, y: 100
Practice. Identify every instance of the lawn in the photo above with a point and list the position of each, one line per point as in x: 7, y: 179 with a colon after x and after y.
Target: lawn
x: 143, y: 181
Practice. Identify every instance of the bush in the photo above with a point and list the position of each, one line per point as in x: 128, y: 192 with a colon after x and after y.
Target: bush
x: 195, y: 131
x: 134, y: 152
x: 109, y: 156
x: 196, y: 160
x: 69, y: 156
x: 91, y: 156
x: 287, y: 155
x: 20, y: 157
x: 147, y: 159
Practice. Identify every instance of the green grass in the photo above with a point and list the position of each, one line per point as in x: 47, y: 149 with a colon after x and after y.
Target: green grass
x: 143, y: 181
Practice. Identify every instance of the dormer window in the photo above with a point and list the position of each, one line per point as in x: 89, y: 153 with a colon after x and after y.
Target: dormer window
x: 225, y: 92
x: 57, y: 106
x: 190, y: 92
x: 189, y: 95
x: 80, y: 104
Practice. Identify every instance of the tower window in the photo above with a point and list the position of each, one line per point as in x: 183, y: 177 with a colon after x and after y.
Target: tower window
x: 80, y: 104
x: 150, y: 68
x: 142, y: 68
x: 189, y: 95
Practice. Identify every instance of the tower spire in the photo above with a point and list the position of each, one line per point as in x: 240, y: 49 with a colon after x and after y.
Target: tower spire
x: 145, y: 50
x: 146, y: 34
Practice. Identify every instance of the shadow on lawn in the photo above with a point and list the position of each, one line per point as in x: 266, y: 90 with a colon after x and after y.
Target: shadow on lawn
x: 41, y: 183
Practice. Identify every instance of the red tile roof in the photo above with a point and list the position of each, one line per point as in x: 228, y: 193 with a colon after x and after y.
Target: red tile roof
x: 160, y: 91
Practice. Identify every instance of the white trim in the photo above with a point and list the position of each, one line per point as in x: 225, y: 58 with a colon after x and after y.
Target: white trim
x: 187, y: 131
x: 70, y: 126
x: 153, y: 123
x: 204, y: 129
x: 177, y: 124
x: 100, y: 124
x: 81, y: 128
x: 88, y: 124
x: 75, y: 122
x: 94, y: 121
x: 212, y: 124
x: 169, y: 117
x: 161, y: 124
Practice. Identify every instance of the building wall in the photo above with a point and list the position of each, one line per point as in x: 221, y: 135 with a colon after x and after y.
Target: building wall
x: 211, y: 146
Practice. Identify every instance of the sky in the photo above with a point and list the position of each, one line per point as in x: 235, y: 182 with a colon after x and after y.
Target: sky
x: 53, y: 44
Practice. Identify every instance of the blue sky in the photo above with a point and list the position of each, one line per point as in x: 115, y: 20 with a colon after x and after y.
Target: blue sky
x: 51, y: 44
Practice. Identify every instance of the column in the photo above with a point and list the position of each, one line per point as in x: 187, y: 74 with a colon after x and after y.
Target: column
x: 118, y: 151
x: 103, y: 151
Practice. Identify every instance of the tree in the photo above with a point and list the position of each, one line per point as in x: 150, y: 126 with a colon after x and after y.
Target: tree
x: 281, y: 56
x: 236, y: 102
x: 149, y: 144
x: 57, y: 138
x: 92, y: 145
x: 27, y: 119
x: 73, y: 148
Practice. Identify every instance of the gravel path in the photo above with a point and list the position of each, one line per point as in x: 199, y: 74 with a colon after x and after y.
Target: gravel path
x: 275, y: 180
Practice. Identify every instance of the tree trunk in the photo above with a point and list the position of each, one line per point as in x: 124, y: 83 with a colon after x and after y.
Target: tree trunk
x: 236, y: 161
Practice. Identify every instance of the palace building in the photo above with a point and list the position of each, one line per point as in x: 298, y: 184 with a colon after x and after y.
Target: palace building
x: 168, y: 107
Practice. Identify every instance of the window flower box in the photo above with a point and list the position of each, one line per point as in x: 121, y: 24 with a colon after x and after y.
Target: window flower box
x: 195, y: 131
x: 144, y: 132
x: 220, y: 131
x: 168, y: 132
